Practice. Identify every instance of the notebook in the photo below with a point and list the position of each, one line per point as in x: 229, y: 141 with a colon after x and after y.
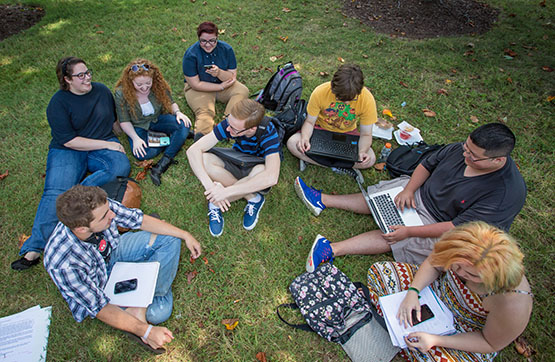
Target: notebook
x: 334, y: 145
x: 386, y: 213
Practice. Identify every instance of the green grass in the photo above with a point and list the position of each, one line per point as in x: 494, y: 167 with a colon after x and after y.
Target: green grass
x: 256, y: 267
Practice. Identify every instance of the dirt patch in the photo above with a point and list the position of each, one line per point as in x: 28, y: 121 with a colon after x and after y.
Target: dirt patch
x: 16, y: 18
x: 423, y: 18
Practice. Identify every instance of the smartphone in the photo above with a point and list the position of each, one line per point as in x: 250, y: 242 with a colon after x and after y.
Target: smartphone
x: 125, y: 286
x: 425, y: 314
x: 207, y: 66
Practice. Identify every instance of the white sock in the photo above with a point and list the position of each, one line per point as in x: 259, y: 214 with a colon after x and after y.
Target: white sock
x: 257, y: 197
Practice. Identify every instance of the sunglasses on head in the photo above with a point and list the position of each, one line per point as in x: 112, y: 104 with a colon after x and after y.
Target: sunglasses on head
x: 137, y: 67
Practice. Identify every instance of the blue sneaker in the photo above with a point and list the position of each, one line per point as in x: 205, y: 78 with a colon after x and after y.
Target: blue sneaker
x: 311, y: 197
x: 250, y: 217
x: 215, y: 222
x: 319, y: 253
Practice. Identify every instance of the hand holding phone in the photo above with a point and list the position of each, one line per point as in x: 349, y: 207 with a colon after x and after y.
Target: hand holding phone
x: 125, y: 286
x: 207, y: 66
x: 425, y: 314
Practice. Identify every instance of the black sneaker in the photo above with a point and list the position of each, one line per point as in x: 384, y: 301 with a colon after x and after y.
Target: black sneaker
x: 24, y: 264
x: 353, y: 172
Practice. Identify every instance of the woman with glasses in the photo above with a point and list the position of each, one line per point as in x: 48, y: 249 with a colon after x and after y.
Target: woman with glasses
x: 210, y: 70
x: 477, y: 271
x: 144, y: 103
x: 81, y: 115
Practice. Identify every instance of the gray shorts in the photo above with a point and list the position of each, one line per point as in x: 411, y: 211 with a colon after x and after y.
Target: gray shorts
x: 412, y: 250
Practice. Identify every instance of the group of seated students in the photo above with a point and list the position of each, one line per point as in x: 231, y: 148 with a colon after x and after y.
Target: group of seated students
x: 467, y: 195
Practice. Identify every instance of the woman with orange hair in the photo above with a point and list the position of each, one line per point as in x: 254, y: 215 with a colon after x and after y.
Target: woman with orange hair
x: 144, y: 103
x: 476, y: 270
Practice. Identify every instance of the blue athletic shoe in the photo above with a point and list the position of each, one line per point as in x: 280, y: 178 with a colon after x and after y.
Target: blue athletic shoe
x: 311, y: 197
x: 319, y: 253
x: 215, y: 222
x: 250, y: 217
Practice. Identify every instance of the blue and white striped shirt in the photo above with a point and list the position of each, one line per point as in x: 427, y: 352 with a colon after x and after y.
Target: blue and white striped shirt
x: 78, y: 269
x: 269, y: 143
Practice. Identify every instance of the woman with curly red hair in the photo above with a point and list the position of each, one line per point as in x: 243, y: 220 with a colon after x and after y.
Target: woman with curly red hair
x: 144, y: 103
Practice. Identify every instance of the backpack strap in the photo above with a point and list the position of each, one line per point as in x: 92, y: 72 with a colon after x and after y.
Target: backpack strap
x: 261, y: 129
x: 302, y: 326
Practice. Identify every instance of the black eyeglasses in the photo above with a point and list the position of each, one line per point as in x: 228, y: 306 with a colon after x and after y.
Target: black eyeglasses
x: 137, y: 67
x: 83, y: 75
x: 212, y: 41
x: 470, y: 154
x: 233, y: 128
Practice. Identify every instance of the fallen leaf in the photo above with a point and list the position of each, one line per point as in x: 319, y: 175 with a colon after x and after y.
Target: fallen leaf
x: 183, y: 40
x: 231, y: 323
x: 212, y: 270
x: 448, y: 81
x: 191, y: 260
x: 550, y: 98
x: 205, y: 260
x: 547, y: 69
x: 286, y: 10
x: 144, y: 164
x: 261, y: 356
x: 279, y: 56
x: 22, y: 238
x: 221, y: 31
x: 4, y: 175
x: 523, y: 347
x: 379, y: 166
x: 542, y: 4
x: 299, y: 239
x: 429, y: 113
x: 174, y: 29
x: 387, y: 112
x: 211, y: 253
x: 100, y: 32
x: 474, y: 119
x: 470, y: 45
x: 273, y: 59
x: 255, y: 47
x: 140, y: 176
x: 341, y: 59
x: 284, y: 38
x: 324, y: 74
x: 510, y: 52
x: 468, y: 52
x: 365, y: 56
x: 510, y: 80
x: 442, y: 91
x: 199, y: 294
x: 403, y: 84
x: 191, y: 275
x: 236, y: 301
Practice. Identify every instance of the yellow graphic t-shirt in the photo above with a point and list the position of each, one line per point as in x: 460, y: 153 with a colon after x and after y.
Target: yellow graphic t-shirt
x: 337, y: 116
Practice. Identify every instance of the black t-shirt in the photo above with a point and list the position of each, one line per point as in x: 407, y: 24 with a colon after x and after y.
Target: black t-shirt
x: 448, y: 195
x: 103, y: 247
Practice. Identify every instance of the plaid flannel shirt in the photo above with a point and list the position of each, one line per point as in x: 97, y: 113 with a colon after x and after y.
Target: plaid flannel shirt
x: 78, y: 269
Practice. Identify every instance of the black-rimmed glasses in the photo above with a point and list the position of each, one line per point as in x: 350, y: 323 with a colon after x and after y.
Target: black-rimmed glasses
x: 233, y: 128
x: 212, y: 41
x: 83, y: 75
x: 137, y: 67
x: 470, y: 154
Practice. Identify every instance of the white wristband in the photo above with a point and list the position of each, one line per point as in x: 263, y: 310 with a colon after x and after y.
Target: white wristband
x: 147, y: 332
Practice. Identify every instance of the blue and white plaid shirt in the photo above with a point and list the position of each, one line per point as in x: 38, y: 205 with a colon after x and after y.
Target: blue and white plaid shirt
x: 78, y: 269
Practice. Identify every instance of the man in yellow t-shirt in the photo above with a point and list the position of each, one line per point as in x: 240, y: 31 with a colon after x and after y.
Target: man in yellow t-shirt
x: 338, y: 106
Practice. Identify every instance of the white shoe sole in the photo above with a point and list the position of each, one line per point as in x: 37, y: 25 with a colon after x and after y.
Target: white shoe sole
x: 255, y: 220
x: 299, y: 190
x: 309, y: 263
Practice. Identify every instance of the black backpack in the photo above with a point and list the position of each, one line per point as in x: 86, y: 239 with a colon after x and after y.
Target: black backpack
x: 282, y: 90
x: 404, y: 159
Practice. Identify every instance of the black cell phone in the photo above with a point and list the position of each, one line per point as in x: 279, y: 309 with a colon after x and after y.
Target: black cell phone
x: 125, y: 286
x: 207, y: 66
x: 425, y: 314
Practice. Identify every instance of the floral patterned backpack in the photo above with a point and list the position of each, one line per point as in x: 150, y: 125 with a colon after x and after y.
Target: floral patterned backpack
x: 329, y: 302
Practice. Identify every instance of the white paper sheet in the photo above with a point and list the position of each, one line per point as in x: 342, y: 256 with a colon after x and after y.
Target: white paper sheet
x: 146, y: 274
x: 379, y: 132
x: 24, y: 336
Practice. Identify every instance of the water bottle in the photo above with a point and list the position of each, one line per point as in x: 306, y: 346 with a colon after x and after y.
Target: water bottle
x: 384, y: 154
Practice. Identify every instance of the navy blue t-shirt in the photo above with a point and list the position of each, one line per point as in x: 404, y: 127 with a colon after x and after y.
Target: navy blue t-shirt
x: 448, y: 195
x: 89, y: 115
x: 269, y: 143
x: 195, y: 58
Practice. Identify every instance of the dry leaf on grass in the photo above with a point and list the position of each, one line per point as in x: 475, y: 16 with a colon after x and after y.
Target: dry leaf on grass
x: 547, y: 69
x: 22, y: 238
x: 284, y: 38
x: 550, y: 98
x: 205, y: 260
x: 231, y: 323
x: 474, y: 119
x: 221, y: 31
x: 141, y: 175
x: 448, y: 81
x: 324, y: 74
x: 4, y: 175
x: 261, y: 356
x: 387, y: 112
x: 403, y: 84
x: 510, y: 52
x: 523, y: 347
x: 144, y: 164
x: 429, y: 113
x: 191, y: 275
x: 341, y: 59
x: 379, y: 166
x: 442, y: 91
x: 191, y: 260
x: 286, y: 10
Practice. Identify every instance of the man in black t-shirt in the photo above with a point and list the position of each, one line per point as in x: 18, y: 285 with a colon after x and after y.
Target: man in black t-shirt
x: 469, y: 181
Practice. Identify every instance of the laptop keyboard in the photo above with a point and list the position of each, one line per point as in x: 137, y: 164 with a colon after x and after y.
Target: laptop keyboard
x: 388, y: 210
x: 334, y: 148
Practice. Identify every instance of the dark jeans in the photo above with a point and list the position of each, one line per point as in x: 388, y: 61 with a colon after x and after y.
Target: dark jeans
x: 167, y: 123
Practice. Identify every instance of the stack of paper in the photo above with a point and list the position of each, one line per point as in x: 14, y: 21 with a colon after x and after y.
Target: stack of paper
x: 24, y: 336
x: 146, y: 275
x: 441, y: 323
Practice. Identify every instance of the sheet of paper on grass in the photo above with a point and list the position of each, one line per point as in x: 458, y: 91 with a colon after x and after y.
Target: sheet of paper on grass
x: 24, y: 336
x: 379, y: 132
x: 146, y: 274
x: 441, y: 323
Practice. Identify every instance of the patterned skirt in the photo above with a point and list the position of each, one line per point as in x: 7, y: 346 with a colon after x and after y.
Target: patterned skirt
x: 390, y: 277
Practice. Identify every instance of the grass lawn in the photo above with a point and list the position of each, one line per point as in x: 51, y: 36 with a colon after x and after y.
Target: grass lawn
x: 252, y: 270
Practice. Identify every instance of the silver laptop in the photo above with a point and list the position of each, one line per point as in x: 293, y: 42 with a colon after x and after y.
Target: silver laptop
x: 386, y: 213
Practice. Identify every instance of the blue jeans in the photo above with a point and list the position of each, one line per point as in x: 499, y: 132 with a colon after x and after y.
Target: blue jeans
x: 167, y: 123
x: 133, y: 247
x: 64, y: 169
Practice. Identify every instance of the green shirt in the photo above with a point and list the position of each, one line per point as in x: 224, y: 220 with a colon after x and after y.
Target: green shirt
x: 124, y: 113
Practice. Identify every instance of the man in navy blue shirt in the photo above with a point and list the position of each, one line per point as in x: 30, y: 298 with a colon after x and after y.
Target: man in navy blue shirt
x: 225, y: 176
x: 210, y: 70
